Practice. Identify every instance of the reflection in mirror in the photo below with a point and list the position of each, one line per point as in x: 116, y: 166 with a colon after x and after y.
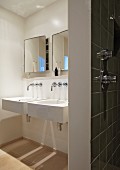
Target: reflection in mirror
x: 35, y: 54
x: 60, y: 50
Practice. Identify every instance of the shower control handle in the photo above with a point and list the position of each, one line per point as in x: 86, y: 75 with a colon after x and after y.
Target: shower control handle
x: 105, y: 79
x: 99, y: 78
x: 104, y: 54
x: 109, y: 79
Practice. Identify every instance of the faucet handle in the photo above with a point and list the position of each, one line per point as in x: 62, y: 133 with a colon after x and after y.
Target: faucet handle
x: 54, y: 84
x: 32, y: 84
x: 59, y: 84
x: 113, y: 79
x: 39, y: 84
x: 65, y: 84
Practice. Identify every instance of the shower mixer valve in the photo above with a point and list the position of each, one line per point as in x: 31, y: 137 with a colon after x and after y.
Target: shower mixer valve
x: 104, y: 54
x: 105, y: 79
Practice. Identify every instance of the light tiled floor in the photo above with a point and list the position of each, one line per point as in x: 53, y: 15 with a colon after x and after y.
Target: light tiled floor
x: 36, y: 156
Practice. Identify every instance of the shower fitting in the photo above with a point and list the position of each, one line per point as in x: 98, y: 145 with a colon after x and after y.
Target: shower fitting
x: 104, y: 78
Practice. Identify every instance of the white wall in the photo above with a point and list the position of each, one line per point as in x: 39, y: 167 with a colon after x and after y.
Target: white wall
x: 49, y: 21
x: 79, y: 84
x: 10, y: 127
x: 11, y: 61
x: 11, y: 53
x: 35, y: 128
x: 44, y: 92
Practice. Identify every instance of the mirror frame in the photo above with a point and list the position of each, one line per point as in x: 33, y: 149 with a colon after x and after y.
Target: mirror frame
x: 52, y: 50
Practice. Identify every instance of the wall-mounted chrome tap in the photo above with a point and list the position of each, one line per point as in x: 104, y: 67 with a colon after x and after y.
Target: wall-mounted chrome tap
x: 32, y: 84
x: 54, y: 84
x: 104, y: 54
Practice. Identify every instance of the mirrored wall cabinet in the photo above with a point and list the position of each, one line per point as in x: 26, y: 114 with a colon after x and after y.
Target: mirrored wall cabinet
x: 60, y: 50
x: 36, y: 54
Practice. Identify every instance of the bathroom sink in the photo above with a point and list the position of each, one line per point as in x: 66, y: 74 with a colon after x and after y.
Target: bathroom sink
x: 19, y: 99
x: 52, y: 102
x: 49, y: 109
x: 16, y: 104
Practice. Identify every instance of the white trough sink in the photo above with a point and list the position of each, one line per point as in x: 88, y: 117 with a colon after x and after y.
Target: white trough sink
x: 16, y: 104
x: 52, y: 102
x: 50, y: 109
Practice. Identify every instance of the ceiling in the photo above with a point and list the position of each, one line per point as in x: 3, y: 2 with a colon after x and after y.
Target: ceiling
x: 25, y: 8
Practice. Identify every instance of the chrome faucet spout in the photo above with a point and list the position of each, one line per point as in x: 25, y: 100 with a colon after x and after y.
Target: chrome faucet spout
x: 54, y: 84
x: 32, y: 84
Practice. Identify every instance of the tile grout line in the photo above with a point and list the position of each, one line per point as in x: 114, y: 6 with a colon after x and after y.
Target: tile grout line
x: 43, y: 160
x: 29, y: 153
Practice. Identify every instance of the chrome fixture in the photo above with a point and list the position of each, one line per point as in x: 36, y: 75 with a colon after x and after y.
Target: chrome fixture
x: 112, y: 17
x: 28, y: 118
x: 32, y: 84
x: 54, y: 84
x: 59, y: 126
x: 59, y: 84
x: 104, y: 54
x: 39, y: 84
x: 104, y: 78
x: 65, y: 84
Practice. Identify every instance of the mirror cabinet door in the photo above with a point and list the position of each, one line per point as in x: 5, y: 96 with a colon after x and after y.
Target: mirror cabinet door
x: 36, y: 54
x: 60, y: 50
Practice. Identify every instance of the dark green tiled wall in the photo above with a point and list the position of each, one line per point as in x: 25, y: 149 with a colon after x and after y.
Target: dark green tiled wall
x: 105, y: 134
